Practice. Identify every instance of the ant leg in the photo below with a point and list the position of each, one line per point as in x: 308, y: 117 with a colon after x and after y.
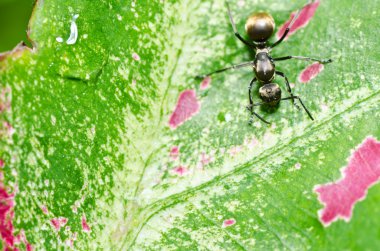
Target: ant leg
x: 249, y: 93
x: 321, y: 61
x: 304, y: 107
x: 251, y: 104
x: 233, y: 67
x: 257, y: 115
x: 261, y: 118
x: 235, y: 29
x: 281, y: 74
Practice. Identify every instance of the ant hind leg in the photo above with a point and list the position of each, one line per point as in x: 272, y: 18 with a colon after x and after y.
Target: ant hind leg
x: 257, y: 115
x: 281, y: 74
x: 304, y: 107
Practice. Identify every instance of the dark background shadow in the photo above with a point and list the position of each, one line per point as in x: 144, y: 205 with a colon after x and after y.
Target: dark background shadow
x: 14, y: 18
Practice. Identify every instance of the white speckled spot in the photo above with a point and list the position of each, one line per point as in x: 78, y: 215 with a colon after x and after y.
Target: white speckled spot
x: 53, y: 119
x: 59, y: 39
x: 297, y: 166
x: 73, y: 31
x: 228, y: 117
x: 241, y: 3
x: 324, y: 107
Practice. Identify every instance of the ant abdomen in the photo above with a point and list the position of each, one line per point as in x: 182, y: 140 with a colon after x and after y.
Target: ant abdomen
x: 270, y: 93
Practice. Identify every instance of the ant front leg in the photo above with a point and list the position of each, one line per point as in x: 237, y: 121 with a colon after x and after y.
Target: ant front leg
x: 233, y: 67
x: 281, y: 74
x: 250, y: 107
x: 237, y: 34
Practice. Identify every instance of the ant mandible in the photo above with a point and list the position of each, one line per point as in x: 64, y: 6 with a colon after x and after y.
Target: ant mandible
x: 260, y: 27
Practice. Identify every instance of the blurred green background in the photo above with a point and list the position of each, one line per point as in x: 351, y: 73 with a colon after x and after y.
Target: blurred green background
x: 14, y: 18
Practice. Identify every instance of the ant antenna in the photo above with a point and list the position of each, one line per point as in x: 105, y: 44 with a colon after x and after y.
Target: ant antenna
x: 286, y: 31
x: 237, y: 34
x: 294, y: 19
x: 298, y: 13
x: 231, y: 19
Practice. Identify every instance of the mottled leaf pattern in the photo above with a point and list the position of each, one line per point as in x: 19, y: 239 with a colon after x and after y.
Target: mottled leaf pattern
x: 91, y: 162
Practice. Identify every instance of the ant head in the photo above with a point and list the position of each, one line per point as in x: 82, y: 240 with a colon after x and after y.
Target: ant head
x: 270, y: 93
x: 260, y: 26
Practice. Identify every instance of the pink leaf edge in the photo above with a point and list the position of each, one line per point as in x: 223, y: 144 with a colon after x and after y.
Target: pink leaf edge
x: 305, y: 15
x: 362, y: 172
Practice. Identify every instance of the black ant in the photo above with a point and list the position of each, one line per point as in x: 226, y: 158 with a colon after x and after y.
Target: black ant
x: 260, y: 27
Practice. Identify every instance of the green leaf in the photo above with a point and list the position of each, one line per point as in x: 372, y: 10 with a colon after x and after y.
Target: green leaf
x: 91, y: 136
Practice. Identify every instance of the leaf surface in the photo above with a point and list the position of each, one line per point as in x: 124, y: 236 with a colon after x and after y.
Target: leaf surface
x: 86, y: 141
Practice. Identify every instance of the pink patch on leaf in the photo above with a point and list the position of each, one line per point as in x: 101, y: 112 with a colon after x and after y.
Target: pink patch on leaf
x: 6, y: 216
x: 86, y: 228
x: 305, y: 15
x: 70, y: 242
x: 136, y: 57
x: 235, y: 150
x: 10, y: 240
x: 206, y: 159
x: 29, y: 247
x: 205, y: 83
x: 228, y: 223
x: 362, y: 172
x: 187, y: 106
x: 5, y: 100
x: 174, y: 152
x: 44, y: 209
x: 57, y: 223
x: 251, y: 143
x: 22, y: 237
x: 310, y: 72
x: 2, y: 163
x: 10, y: 129
x: 180, y: 170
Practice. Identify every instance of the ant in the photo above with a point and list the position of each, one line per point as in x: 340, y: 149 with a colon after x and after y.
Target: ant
x: 260, y: 27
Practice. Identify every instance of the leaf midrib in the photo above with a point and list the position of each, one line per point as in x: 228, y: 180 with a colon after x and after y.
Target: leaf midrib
x: 183, y: 196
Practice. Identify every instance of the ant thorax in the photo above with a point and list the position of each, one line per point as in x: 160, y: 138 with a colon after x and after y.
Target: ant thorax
x: 263, y: 67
